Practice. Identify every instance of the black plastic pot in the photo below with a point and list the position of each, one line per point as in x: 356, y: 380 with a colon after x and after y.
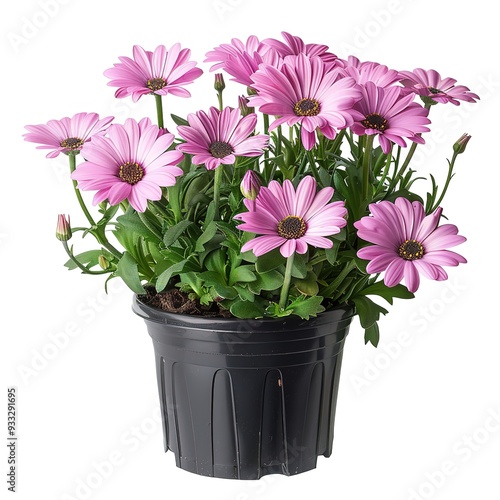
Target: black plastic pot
x: 245, y: 398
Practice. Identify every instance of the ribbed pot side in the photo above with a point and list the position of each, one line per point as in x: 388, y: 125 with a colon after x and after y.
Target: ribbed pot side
x: 244, y: 398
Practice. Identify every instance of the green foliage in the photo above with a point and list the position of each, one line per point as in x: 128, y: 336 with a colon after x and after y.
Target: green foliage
x: 189, y: 238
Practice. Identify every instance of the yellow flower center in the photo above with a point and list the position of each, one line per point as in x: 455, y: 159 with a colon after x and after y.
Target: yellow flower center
x: 375, y: 121
x: 307, y: 107
x: 156, y: 84
x: 219, y: 149
x: 292, y: 227
x: 411, y: 250
x: 131, y: 173
x: 72, y: 143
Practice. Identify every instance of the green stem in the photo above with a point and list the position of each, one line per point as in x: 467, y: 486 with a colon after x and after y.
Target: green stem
x: 78, y: 263
x: 312, y: 164
x: 159, y: 110
x: 337, y: 141
x: 279, y: 141
x: 408, y: 158
x: 101, y: 238
x: 144, y: 219
x: 447, y: 183
x: 328, y: 291
x: 217, y: 183
x: 366, y: 165
x: 384, y: 173
x: 219, y: 99
x: 286, y: 283
x: 72, y: 167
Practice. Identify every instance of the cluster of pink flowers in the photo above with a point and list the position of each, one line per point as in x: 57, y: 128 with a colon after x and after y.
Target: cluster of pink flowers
x: 297, y: 84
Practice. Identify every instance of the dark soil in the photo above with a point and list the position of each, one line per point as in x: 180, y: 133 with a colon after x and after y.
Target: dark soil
x: 175, y: 301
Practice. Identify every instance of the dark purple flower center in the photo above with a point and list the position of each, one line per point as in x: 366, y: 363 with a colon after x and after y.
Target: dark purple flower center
x: 156, y: 84
x: 411, y: 250
x: 219, y: 149
x: 72, y: 143
x: 292, y: 227
x: 433, y: 90
x: 307, y: 107
x: 375, y: 121
x: 131, y: 173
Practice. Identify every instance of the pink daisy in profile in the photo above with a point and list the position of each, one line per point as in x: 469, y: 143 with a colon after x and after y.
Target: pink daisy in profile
x: 130, y: 163
x: 220, y: 136
x: 305, y: 92
x: 294, y: 45
x: 67, y: 135
x: 160, y: 72
x: 292, y: 218
x: 391, y: 115
x: 368, y: 71
x: 432, y: 88
x: 407, y: 243
x: 241, y: 60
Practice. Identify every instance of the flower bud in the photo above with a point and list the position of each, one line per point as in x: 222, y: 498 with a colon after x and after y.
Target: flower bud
x: 63, y: 229
x: 219, y: 84
x: 245, y: 109
x: 103, y: 262
x: 250, y: 185
x: 461, y: 144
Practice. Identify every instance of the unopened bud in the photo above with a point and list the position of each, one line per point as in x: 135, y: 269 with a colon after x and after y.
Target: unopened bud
x: 461, y: 144
x: 245, y: 109
x: 103, y: 262
x: 219, y: 84
x: 63, y: 229
x: 250, y: 185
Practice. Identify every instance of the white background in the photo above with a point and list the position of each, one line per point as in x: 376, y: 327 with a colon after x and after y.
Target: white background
x: 417, y: 418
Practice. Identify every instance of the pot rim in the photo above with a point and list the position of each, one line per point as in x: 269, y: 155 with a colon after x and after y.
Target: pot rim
x: 338, y: 313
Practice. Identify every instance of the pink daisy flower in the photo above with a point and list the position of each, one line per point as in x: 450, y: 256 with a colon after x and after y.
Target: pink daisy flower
x: 294, y: 45
x: 305, y: 92
x: 130, y: 163
x: 407, y: 243
x: 220, y: 136
x: 160, y: 72
x: 292, y: 219
x: 67, y: 135
x: 368, y: 71
x: 241, y: 60
x: 430, y: 85
x: 391, y: 115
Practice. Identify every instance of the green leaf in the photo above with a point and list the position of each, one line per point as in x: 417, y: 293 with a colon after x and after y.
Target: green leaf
x: 127, y: 271
x: 331, y: 254
x: 225, y: 292
x: 299, y: 268
x: 216, y: 261
x: 367, y: 310
x: 305, y: 308
x: 372, y: 334
x: 272, y: 280
x: 178, y: 120
x: 131, y: 223
x: 246, y: 310
x: 164, y: 277
x: 90, y: 257
x: 249, y: 256
x: 173, y: 234
x: 269, y: 261
x: 241, y: 274
x: 309, y: 285
x: 388, y: 293
x: 206, y: 236
x: 245, y: 293
x: 213, y: 278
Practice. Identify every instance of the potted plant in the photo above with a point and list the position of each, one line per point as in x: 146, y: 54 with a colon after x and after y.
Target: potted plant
x: 252, y: 232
